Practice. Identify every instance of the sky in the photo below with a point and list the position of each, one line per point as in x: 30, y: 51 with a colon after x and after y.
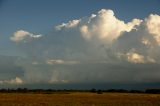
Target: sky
x: 74, y: 43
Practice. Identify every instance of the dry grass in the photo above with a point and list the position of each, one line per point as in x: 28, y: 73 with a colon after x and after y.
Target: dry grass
x: 79, y: 99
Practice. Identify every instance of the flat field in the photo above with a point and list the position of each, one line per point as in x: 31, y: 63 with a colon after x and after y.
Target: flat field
x: 79, y: 99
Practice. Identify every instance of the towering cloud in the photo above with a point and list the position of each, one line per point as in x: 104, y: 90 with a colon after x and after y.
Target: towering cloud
x: 105, y: 26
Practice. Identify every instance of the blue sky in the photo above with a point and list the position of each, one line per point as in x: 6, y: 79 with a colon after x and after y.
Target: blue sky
x: 65, y: 39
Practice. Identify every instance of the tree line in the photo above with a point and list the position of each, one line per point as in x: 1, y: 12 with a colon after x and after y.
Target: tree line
x: 93, y: 90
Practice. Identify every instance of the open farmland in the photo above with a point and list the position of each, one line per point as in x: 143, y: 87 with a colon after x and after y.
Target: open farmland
x: 79, y: 99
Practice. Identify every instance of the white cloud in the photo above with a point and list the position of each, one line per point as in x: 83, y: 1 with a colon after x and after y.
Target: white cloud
x: 91, y: 17
x: 22, y: 35
x: 131, y: 25
x: 151, y: 60
x: 105, y: 26
x: 70, y: 24
x: 153, y: 26
x: 146, y: 42
x: 59, y: 61
x: 56, y: 78
x: 19, y: 35
x: 35, y: 63
x: 55, y: 81
x: 133, y: 57
x: 17, y: 80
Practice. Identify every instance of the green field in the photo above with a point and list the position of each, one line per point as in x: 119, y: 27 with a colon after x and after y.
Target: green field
x: 79, y: 99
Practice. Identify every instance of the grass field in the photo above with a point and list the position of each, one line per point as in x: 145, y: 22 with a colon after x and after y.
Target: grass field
x: 79, y: 99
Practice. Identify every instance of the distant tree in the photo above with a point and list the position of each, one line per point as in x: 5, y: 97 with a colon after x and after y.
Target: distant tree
x: 136, y: 91
x: 118, y: 90
x: 93, y: 90
x: 99, y: 92
x: 154, y: 91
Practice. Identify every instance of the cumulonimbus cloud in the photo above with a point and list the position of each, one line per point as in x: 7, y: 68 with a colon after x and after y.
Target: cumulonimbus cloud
x: 96, y: 48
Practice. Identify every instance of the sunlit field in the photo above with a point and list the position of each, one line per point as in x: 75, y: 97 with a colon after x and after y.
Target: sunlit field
x: 79, y: 99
